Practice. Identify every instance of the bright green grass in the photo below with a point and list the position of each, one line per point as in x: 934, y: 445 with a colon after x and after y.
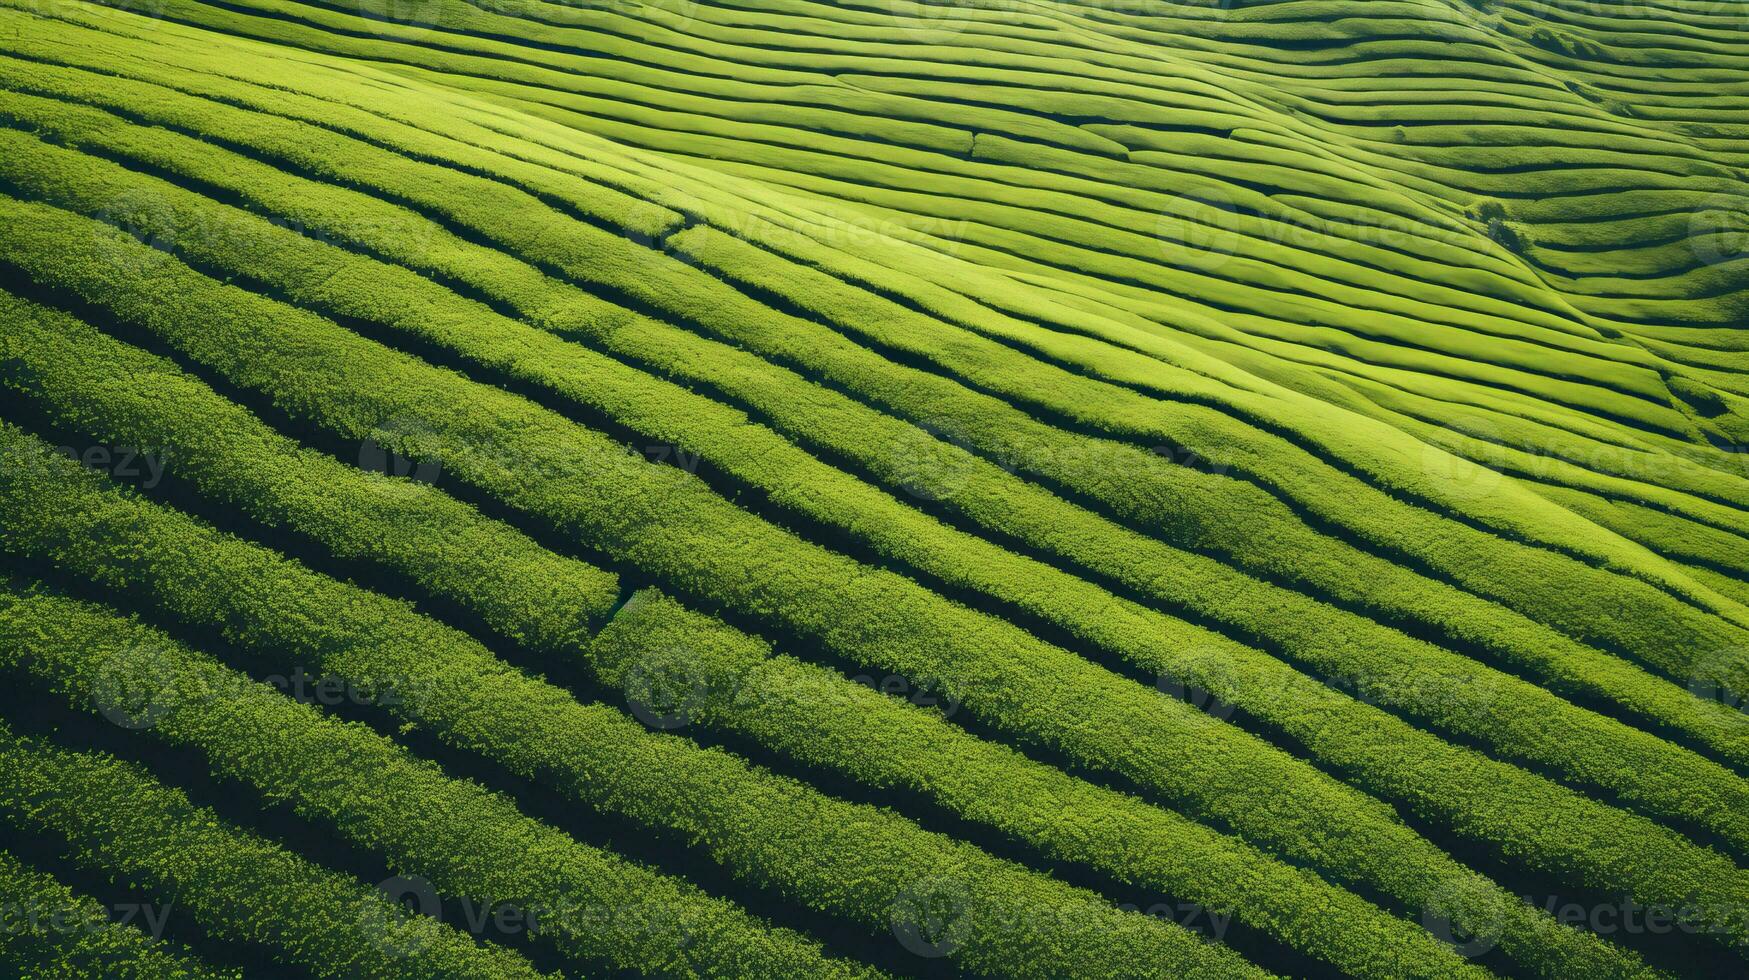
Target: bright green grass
x: 122, y: 822
x: 698, y: 545
x: 1298, y: 445
x: 65, y: 934
x: 1519, y: 720
x: 410, y: 522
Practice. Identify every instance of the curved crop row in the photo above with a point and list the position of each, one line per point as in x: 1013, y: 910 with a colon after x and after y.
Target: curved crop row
x: 233, y: 883
x: 658, y: 88
x: 801, y: 710
x: 1480, y: 562
x: 1174, y: 499
x: 1494, y: 567
x: 902, y: 456
x: 1515, y: 719
x: 55, y: 933
x: 1297, y: 442
x: 767, y: 829
x: 659, y: 519
x: 463, y: 840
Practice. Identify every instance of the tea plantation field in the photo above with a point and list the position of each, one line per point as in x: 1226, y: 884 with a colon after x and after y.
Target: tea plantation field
x: 790, y: 489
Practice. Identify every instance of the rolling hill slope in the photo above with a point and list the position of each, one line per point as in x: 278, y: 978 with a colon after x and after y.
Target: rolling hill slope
x: 772, y: 488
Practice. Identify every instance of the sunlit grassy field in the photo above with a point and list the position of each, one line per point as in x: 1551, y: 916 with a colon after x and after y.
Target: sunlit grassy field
x: 789, y: 489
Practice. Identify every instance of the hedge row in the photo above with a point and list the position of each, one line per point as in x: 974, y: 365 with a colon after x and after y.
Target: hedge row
x: 1388, y: 459
x: 662, y: 520
x: 1640, y: 604
x: 1269, y: 541
x: 236, y: 885
x: 463, y: 841
x: 674, y: 96
x: 572, y: 595
x: 866, y: 89
x: 1517, y: 720
x: 1507, y: 572
x: 54, y: 933
x: 715, y: 675
x: 803, y: 711
x: 1279, y: 546
x: 904, y: 457
x: 852, y: 860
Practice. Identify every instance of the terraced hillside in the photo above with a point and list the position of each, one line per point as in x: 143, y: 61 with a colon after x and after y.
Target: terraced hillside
x: 788, y: 489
